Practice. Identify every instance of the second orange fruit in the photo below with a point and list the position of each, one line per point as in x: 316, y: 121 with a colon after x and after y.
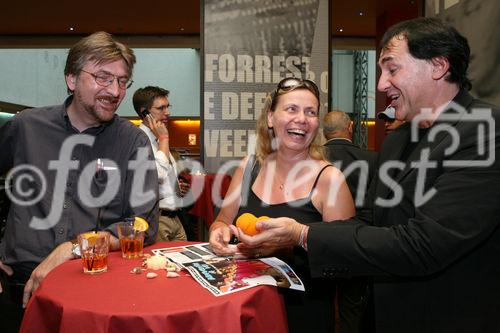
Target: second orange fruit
x: 246, y: 222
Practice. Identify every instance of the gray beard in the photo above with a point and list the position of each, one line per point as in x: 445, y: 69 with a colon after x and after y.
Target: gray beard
x: 90, y: 110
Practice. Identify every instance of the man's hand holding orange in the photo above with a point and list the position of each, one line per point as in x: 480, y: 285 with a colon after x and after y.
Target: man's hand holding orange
x: 246, y: 222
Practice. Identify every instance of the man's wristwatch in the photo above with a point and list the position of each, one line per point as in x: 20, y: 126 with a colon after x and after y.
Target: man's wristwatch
x: 75, y: 249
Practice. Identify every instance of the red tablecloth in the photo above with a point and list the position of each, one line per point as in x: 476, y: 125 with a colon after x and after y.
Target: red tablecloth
x: 204, y: 205
x: 117, y: 301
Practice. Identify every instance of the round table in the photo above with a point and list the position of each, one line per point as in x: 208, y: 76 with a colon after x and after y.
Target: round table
x: 117, y: 301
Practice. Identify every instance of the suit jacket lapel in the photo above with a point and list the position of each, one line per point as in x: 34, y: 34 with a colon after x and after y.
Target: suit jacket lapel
x: 450, y: 116
x: 397, y: 141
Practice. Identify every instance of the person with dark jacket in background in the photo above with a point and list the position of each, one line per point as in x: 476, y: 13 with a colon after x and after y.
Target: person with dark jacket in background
x: 358, y: 166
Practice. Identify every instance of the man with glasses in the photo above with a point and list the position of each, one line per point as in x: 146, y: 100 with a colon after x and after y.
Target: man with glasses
x: 153, y: 107
x: 79, y: 168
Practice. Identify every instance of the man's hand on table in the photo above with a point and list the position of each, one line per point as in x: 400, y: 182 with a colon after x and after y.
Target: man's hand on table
x: 114, y: 243
x: 59, y: 255
x: 7, y: 270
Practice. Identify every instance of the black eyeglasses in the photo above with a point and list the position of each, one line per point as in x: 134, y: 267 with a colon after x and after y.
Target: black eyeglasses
x: 163, y: 107
x: 292, y: 83
x: 106, y: 79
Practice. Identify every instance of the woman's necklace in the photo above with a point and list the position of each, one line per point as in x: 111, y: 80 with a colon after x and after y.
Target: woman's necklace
x: 281, y: 183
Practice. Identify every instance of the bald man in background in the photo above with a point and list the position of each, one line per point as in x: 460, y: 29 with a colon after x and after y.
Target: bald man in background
x: 338, y: 129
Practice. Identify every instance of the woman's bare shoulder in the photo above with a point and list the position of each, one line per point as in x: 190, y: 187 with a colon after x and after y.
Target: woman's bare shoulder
x: 330, y: 174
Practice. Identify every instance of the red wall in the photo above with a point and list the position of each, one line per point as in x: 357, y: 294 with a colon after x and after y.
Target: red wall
x: 390, y: 12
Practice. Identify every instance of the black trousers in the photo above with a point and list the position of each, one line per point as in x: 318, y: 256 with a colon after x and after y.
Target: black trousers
x: 11, y: 299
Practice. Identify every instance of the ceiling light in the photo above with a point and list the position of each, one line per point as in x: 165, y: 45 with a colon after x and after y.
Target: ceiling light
x: 360, y: 13
x: 71, y: 29
x: 341, y: 29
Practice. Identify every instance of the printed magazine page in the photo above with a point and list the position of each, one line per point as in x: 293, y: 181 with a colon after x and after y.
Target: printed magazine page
x: 225, y: 275
x: 186, y: 254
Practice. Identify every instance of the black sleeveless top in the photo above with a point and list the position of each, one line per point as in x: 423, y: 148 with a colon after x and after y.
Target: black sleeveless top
x: 302, y: 210
x: 312, y: 310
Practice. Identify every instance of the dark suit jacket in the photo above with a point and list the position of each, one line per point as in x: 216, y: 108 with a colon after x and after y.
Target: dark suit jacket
x: 357, y: 164
x: 436, y: 262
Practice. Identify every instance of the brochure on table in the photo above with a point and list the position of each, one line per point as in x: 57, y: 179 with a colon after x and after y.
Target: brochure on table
x: 224, y: 275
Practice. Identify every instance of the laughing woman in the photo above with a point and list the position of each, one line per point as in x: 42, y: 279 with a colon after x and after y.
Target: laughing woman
x: 289, y: 177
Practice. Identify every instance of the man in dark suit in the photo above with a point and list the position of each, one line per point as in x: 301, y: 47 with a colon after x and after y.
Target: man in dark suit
x: 434, y: 245
x: 358, y: 165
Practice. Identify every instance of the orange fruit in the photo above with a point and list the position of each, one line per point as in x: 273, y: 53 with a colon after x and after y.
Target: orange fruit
x: 89, y: 234
x: 91, y: 238
x: 246, y: 222
x: 140, y: 224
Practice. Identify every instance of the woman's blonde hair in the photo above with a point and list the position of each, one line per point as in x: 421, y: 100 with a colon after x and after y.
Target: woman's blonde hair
x: 265, y: 135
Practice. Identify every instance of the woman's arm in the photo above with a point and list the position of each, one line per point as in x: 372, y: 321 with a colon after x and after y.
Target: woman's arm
x: 220, y: 233
x: 333, y: 197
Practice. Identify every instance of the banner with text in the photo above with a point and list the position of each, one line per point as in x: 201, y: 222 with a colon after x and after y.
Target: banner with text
x: 248, y: 47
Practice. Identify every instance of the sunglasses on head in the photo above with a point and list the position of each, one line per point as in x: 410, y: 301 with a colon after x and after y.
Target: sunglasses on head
x: 292, y: 83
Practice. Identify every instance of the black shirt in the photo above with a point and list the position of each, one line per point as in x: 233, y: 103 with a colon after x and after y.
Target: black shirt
x: 64, y: 184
